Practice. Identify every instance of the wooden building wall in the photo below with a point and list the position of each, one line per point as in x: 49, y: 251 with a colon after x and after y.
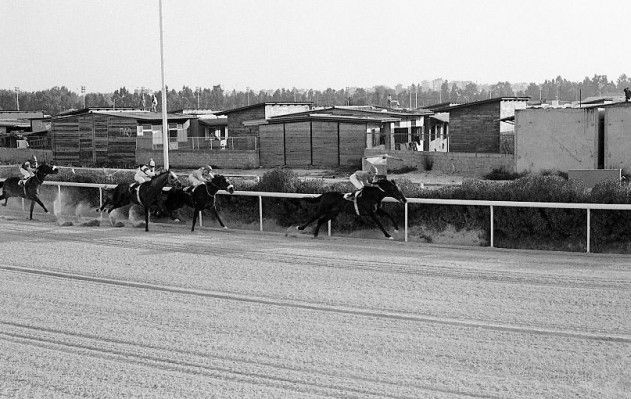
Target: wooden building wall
x: 475, y: 129
x: 314, y: 143
x: 93, y: 139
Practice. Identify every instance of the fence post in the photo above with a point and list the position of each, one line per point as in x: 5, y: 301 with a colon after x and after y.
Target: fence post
x: 588, y: 229
x: 59, y: 196
x: 260, y: 213
x: 101, y: 198
x: 200, y: 219
x: 329, y: 224
x: 405, y: 228
x: 492, y: 228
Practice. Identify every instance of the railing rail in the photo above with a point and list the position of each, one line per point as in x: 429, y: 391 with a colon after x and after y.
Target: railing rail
x: 588, y: 207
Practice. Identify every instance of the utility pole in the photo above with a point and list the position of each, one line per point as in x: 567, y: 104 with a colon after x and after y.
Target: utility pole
x: 165, y: 123
x: 198, y: 91
x: 247, y: 89
x: 17, y: 97
x: 83, y: 94
x: 416, y: 101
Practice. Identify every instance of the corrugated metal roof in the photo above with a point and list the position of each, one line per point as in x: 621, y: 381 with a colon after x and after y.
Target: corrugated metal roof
x: 258, y: 105
x: 323, y: 116
x: 145, y: 115
x: 481, y: 102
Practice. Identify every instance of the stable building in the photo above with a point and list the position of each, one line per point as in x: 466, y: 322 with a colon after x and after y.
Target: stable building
x: 244, y: 137
x: 104, y: 136
x: 476, y: 127
x: 317, y: 138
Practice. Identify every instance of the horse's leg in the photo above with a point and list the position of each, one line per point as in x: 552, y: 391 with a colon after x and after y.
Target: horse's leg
x: 146, y: 218
x: 313, y: 219
x: 374, y: 218
x: 382, y: 212
x: 195, y: 213
x: 2, y: 197
x: 321, y: 221
x: 214, y: 209
x: 31, y: 211
x: 40, y: 204
x: 106, y: 203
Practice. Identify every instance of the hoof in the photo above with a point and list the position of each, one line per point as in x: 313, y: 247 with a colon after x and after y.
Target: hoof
x: 390, y: 238
x: 225, y: 227
x: 177, y: 221
x: 396, y: 230
x: 65, y: 224
x: 118, y: 224
x: 300, y: 228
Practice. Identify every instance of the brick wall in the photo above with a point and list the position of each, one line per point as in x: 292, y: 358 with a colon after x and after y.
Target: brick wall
x: 226, y: 159
x: 236, y: 119
x: 475, y: 129
x: 462, y: 164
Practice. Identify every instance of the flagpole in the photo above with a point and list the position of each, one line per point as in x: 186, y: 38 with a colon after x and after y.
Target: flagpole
x: 165, y: 123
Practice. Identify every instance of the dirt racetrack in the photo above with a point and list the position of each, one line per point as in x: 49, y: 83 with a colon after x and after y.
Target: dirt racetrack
x: 117, y: 312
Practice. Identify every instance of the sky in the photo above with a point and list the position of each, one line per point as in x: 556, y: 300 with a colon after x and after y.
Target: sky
x: 270, y: 44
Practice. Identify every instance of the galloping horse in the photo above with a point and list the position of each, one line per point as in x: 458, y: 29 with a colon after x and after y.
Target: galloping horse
x: 145, y: 194
x: 30, y: 189
x: 367, y: 202
x: 199, y: 198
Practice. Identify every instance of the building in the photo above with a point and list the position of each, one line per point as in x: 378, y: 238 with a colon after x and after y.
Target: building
x: 104, y: 136
x: 334, y: 136
x: 590, y: 137
x: 557, y: 139
x: 19, y: 128
x: 476, y: 127
x: 244, y: 137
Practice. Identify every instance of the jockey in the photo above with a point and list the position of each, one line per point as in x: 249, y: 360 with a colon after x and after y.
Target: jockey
x: 201, y: 176
x: 377, y: 170
x: 27, y: 169
x: 145, y: 172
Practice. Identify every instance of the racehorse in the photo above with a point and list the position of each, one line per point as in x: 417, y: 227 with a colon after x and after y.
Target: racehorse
x: 30, y: 188
x: 146, y: 194
x: 366, y: 202
x: 199, y: 198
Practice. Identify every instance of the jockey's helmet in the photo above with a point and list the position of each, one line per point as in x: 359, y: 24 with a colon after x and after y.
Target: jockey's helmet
x: 152, y: 163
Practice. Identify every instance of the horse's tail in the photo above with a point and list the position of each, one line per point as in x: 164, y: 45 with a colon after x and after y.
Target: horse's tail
x: 1, y: 183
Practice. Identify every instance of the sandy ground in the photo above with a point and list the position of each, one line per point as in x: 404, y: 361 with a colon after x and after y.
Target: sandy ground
x: 117, y: 312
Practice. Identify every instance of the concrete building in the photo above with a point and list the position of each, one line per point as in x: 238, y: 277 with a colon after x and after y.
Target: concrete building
x: 591, y: 137
x: 557, y: 139
x: 617, y: 136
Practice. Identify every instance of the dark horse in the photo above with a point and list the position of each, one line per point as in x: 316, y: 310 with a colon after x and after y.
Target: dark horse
x: 146, y: 194
x: 199, y: 198
x: 30, y: 189
x: 367, y: 203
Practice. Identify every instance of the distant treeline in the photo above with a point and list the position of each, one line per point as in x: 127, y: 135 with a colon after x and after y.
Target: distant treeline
x: 57, y: 99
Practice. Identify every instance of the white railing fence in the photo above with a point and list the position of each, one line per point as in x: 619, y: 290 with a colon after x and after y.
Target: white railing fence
x: 588, y: 207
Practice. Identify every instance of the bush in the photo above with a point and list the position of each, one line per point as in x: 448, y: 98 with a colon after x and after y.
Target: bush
x: 503, y: 174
